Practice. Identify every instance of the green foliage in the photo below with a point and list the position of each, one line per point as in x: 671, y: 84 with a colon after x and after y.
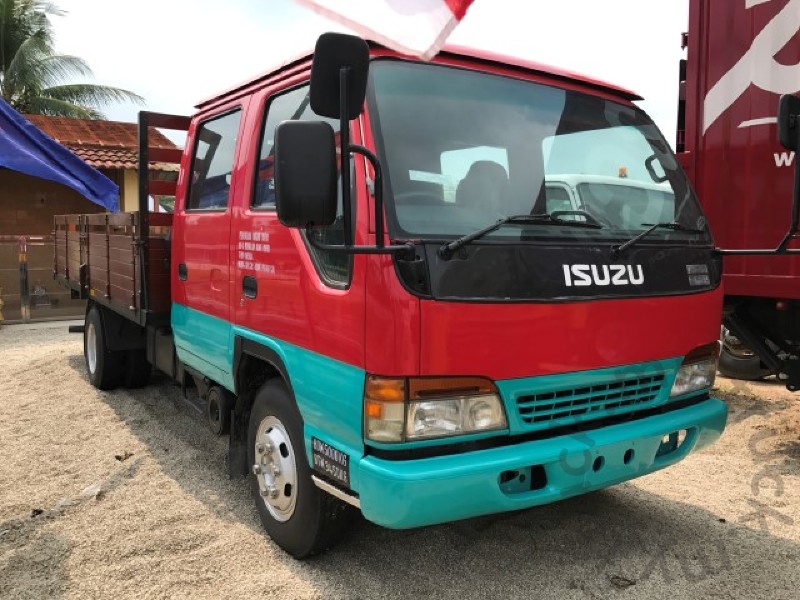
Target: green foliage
x: 35, y: 79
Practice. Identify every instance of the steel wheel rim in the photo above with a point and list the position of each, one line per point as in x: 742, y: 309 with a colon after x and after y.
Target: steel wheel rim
x: 91, y: 347
x: 214, y: 413
x: 275, y: 469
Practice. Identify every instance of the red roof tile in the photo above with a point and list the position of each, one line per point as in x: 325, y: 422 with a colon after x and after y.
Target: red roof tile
x: 102, y: 144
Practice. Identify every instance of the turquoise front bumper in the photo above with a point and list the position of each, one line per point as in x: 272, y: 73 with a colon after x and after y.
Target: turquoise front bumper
x: 413, y: 493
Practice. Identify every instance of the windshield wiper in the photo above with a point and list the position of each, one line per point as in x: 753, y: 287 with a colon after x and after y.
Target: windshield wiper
x: 674, y: 226
x: 446, y: 250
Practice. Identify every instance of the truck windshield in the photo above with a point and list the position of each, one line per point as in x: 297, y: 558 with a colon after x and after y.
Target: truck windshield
x: 463, y: 149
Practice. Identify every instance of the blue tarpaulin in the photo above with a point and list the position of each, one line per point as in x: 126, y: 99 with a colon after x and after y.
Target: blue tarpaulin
x: 25, y: 149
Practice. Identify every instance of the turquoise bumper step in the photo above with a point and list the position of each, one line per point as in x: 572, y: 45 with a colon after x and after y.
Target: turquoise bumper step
x: 414, y: 493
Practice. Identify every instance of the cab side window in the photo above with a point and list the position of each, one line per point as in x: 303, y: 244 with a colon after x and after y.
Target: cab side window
x: 557, y: 198
x: 212, y: 163
x: 334, y: 268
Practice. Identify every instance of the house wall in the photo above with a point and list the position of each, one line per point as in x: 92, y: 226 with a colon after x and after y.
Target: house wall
x: 128, y: 182
x: 130, y: 191
x: 28, y: 204
x: 27, y: 208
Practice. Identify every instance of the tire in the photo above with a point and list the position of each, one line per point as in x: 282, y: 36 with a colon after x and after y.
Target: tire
x: 137, y: 370
x: 746, y: 368
x: 218, y: 410
x: 737, y: 361
x: 300, y: 518
x: 103, y: 366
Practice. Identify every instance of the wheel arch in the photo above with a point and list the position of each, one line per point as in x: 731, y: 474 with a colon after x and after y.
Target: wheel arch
x: 253, y: 364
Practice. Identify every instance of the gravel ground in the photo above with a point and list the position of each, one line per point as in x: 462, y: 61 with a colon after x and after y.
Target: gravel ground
x: 126, y: 495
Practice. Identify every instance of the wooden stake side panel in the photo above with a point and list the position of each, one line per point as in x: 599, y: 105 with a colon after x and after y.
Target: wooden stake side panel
x: 105, y: 250
x: 68, y: 251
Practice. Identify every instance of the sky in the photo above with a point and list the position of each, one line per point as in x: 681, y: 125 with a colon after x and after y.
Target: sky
x: 176, y: 53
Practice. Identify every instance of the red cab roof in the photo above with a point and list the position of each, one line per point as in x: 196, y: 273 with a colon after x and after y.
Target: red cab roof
x: 486, y: 56
x: 474, y: 54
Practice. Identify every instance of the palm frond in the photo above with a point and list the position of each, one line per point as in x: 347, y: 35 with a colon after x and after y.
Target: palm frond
x: 58, y: 68
x: 88, y: 94
x: 25, y: 62
x: 33, y: 78
x: 49, y: 8
x: 61, y: 108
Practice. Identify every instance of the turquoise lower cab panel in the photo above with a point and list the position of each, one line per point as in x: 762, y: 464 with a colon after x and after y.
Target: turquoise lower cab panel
x: 413, y: 493
x: 204, y: 343
x: 329, y: 394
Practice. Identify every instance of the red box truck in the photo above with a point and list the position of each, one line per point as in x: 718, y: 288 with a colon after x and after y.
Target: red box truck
x: 741, y: 56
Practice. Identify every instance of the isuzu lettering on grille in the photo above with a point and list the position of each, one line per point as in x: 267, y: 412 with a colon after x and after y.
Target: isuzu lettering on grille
x: 584, y: 275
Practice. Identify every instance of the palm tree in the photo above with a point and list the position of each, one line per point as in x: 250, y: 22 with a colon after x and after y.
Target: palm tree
x: 35, y: 79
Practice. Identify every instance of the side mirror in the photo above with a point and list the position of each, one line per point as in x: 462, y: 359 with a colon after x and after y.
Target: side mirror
x: 305, y: 173
x: 333, y: 52
x: 789, y: 122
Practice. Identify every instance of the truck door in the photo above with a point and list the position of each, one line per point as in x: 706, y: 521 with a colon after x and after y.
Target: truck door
x: 284, y: 290
x: 201, y: 313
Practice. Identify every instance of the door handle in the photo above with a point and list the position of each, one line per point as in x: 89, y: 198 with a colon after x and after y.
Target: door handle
x: 183, y: 272
x: 249, y: 287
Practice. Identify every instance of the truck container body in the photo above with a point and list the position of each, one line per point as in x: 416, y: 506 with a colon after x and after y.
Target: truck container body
x: 532, y: 363
x: 741, y: 57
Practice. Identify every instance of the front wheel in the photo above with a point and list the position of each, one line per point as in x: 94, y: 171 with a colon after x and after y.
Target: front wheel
x: 298, y: 516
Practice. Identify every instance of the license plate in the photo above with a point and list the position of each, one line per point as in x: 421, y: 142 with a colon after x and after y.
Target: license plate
x: 329, y: 461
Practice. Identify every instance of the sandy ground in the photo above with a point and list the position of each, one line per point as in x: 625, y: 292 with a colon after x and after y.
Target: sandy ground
x: 125, y: 495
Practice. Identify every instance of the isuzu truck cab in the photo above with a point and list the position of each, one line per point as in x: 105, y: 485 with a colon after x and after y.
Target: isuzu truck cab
x: 376, y: 292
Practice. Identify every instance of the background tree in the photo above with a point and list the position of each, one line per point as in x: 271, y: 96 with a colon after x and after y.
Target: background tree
x: 34, y: 79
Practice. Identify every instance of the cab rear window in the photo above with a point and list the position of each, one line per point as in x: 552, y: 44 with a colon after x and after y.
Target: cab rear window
x: 212, y: 163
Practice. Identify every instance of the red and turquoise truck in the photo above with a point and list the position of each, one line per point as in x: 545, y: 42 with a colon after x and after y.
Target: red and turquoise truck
x: 741, y: 57
x: 427, y: 291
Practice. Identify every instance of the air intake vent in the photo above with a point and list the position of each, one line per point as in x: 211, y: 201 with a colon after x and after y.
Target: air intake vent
x: 567, y: 406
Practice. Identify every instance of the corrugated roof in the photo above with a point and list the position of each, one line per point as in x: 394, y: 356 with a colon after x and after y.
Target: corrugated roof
x: 102, y: 144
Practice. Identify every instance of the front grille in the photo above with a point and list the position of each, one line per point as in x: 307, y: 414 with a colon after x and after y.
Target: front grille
x: 567, y: 406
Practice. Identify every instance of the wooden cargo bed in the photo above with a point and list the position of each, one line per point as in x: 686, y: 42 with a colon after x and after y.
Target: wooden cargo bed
x: 100, y: 256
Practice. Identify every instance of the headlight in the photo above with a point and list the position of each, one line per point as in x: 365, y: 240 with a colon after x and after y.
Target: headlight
x: 397, y: 410
x: 698, y: 371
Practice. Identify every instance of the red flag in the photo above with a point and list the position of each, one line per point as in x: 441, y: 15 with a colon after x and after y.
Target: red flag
x: 415, y: 27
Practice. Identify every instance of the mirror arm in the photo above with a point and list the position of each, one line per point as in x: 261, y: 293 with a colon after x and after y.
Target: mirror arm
x: 346, y: 148
x: 344, y: 153
x: 783, y: 247
x: 408, y: 249
x: 376, y: 166
x: 795, y: 204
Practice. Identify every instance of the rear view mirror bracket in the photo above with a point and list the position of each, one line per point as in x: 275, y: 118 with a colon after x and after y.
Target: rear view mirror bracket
x: 338, y: 89
x: 789, y: 122
x: 379, y: 248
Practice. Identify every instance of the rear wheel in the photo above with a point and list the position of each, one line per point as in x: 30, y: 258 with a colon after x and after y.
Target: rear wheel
x: 103, y: 366
x: 218, y: 410
x: 298, y: 516
x: 137, y: 370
